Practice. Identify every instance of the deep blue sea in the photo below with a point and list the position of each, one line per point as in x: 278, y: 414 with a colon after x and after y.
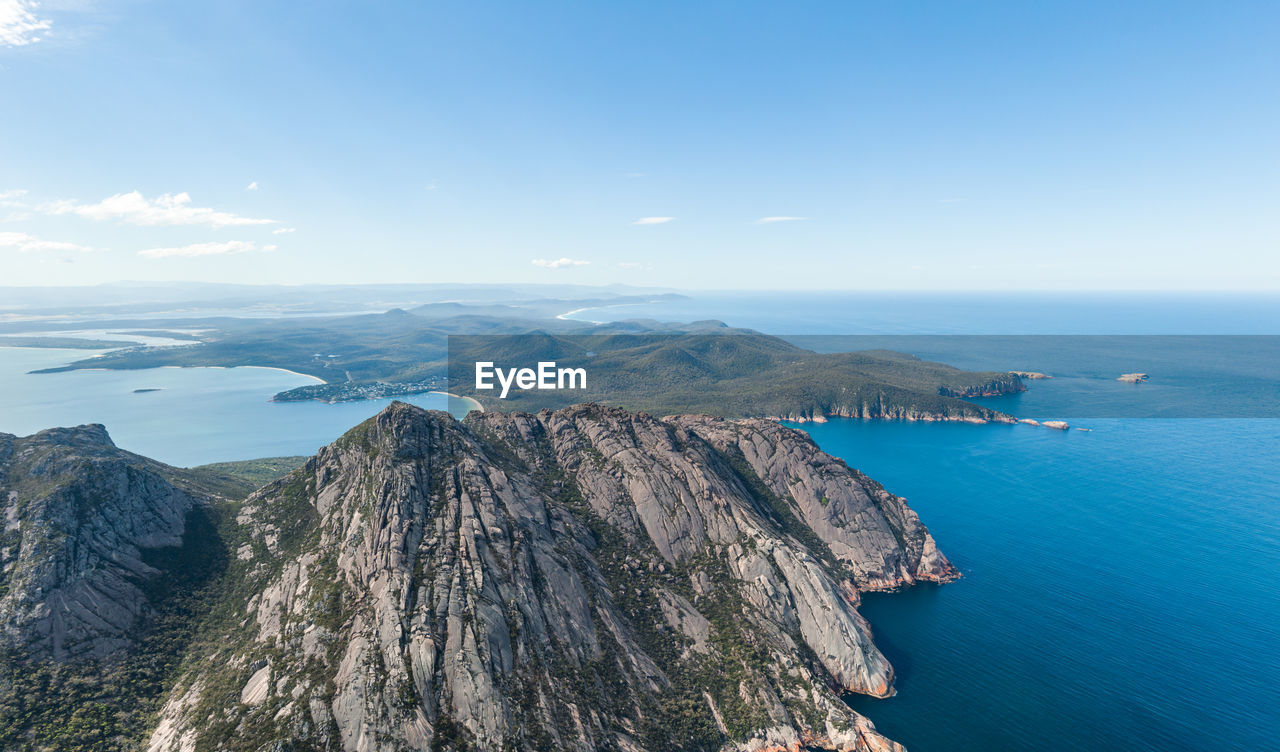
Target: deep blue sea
x: 1119, y: 592
x: 1121, y: 586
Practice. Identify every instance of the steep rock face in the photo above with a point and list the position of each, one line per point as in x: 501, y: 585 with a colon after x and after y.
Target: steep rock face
x: 1001, y: 384
x: 78, y: 513
x: 584, y: 579
x: 874, y: 533
x: 880, y: 411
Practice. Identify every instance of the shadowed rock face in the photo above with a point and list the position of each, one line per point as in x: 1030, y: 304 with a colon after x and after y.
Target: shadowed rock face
x: 77, y: 515
x: 584, y: 579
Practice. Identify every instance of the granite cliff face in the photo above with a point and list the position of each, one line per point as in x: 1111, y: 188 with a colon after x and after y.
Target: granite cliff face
x: 583, y: 579
x: 78, y: 515
x: 1001, y: 384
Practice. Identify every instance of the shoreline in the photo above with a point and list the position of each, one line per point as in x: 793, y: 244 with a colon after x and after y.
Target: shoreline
x: 475, y: 404
x: 317, y: 379
x: 565, y: 316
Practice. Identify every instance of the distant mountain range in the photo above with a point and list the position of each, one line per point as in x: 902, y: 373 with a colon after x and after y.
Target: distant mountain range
x: 703, y: 367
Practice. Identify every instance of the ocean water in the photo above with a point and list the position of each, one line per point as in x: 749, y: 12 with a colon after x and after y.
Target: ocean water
x: 197, y: 416
x: 1119, y: 591
x: 823, y: 312
x: 1120, y: 586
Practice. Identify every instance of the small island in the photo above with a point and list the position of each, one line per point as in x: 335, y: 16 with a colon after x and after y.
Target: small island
x: 144, y: 390
x: 1133, y: 378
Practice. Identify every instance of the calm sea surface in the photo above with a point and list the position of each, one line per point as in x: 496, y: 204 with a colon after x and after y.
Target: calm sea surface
x: 1121, y: 586
x: 198, y: 415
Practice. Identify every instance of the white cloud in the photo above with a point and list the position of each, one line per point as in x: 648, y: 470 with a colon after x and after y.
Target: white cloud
x: 19, y: 25
x: 558, y: 263
x: 208, y: 249
x: 771, y: 220
x: 283, y: 230
x: 252, y: 186
x: 653, y: 220
x: 25, y: 243
x: 135, y: 209
x: 13, y: 200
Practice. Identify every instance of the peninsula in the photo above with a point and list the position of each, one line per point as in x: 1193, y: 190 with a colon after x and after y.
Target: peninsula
x: 699, y: 367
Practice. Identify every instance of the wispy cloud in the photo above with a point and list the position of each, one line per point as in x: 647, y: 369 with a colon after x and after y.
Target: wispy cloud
x: 208, y: 249
x: 135, y: 209
x: 653, y: 220
x: 19, y: 24
x: 771, y: 220
x: 635, y: 265
x: 559, y: 263
x: 25, y: 243
x: 252, y: 186
x: 283, y: 230
x: 13, y: 200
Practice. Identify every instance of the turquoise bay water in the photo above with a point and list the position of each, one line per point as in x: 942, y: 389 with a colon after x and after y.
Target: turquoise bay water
x: 199, y: 415
x: 1119, y: 586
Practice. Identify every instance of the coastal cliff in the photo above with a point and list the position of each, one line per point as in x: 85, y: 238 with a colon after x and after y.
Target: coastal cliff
x: 865, y: 411
x: 583, y: 579
x: 1002, y: 384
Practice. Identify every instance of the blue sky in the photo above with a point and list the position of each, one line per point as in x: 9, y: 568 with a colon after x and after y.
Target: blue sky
x: 895, y: 145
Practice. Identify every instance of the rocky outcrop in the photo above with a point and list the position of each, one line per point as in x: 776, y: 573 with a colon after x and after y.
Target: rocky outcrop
x: 1133, y: 378
x: 583, y: 579
x: 879, y: 411
x: 872, y: 532
x: 78, y: 515
x: 1005, y: 383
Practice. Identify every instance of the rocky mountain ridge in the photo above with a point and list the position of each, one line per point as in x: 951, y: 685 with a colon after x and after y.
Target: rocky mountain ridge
x: 78, y: 512
x: 585, y: 579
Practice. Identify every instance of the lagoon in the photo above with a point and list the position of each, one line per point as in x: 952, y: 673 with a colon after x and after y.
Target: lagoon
x: 194, y: 415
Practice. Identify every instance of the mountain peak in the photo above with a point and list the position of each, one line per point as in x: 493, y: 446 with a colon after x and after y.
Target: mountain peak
x: 585, y: 578
x: 89, y: 434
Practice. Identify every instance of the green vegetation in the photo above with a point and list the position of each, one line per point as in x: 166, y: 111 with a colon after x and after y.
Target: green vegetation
x: 109, y: 705
x: 704, y: 367
x: 236, y: 480
x: 730, y: 373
